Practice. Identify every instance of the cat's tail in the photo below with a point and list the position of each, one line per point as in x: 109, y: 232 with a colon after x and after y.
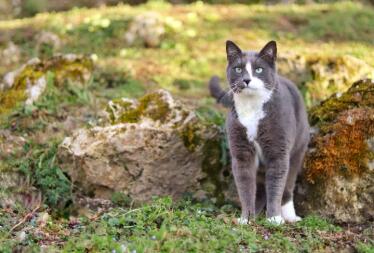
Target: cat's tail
x: 218, y: 93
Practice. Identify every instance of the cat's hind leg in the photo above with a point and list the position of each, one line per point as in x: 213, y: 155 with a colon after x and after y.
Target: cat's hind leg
x: 288, y: 208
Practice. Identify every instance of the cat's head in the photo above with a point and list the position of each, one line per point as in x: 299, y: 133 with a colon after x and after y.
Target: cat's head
x: 251, y: 72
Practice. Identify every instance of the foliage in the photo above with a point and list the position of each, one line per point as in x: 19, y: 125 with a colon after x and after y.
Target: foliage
x: 41, y: 168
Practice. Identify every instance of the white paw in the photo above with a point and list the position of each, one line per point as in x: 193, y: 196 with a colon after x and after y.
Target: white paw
x: 276, y: 220
x: 242, y: 221
x: 293, y: 219
x: 288, y: 212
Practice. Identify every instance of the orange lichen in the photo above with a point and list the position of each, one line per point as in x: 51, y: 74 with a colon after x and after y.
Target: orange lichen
x: 342, y: 147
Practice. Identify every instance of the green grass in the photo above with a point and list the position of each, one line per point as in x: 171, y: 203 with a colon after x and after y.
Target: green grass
x: 183, y: 226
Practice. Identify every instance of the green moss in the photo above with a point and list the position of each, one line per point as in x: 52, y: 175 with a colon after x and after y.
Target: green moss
x: 152, y: 106
x: 213, y: 166
x: 190, y: 135
x: 10, y: 99
x: 361, y: 94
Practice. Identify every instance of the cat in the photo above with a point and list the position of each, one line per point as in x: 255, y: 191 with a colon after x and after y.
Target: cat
x: 267, y: 129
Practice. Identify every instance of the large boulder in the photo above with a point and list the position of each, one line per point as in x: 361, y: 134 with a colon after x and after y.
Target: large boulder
x: 339, y: 169
x: 153, y: 146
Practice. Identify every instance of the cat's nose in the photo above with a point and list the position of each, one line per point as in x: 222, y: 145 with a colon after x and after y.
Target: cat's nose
x: 247, y: 81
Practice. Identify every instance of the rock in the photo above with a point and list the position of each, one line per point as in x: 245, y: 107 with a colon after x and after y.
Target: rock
x: 155, y: 146
x: 47, y: 43
x: 146, y: 29
x: 25, y: 85
x: 321, y: 76
x: 11, y: 54
x: 338, y: 181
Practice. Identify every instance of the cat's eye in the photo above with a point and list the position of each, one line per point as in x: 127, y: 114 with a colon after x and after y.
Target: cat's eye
x: 238, y: 70
x: 259, y: 70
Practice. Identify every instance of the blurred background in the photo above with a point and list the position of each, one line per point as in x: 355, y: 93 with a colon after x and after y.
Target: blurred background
x: 26, y: 8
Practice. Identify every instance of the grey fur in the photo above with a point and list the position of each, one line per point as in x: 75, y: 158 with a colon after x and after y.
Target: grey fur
x: 283, y: 134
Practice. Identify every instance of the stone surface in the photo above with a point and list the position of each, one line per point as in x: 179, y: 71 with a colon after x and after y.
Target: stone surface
x: 339, y: 176
x: 153, y: 147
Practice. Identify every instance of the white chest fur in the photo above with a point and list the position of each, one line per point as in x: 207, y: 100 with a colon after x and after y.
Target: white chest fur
x: 249, y: 108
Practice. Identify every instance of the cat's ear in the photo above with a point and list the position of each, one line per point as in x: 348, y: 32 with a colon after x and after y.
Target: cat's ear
x: 269, y: 52
x: 232, y: 51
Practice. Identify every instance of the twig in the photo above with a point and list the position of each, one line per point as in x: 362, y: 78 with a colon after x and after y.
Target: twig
x: 27, y: 216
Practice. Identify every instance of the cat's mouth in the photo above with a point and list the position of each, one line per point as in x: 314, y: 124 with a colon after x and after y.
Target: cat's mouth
x: 249, y: 88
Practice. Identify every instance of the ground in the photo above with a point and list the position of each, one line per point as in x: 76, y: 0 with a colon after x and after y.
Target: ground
x: 190, y: 51
x: 183, y: 226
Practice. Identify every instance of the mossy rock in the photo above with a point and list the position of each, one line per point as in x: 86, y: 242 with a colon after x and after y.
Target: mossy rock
x: 339, y: 172
x: 26, y: 84
x: 155, y: 145
x: 156, y: 106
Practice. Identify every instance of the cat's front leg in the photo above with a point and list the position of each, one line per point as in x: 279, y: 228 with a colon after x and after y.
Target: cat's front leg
x: 245, y: 179
x: 276, y: 177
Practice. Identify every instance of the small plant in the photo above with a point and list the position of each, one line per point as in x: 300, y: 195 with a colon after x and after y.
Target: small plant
x: 41, y: 168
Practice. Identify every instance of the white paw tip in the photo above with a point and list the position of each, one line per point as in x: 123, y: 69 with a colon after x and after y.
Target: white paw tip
x: 276, y: 220
x: 293, y: 219
x: 242, y: 221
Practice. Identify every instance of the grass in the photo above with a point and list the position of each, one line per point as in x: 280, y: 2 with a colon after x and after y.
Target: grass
x: 183, y: 226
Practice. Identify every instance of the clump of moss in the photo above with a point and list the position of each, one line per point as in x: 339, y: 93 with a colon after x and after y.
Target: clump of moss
x: 13, y: 97
x: 153, y: 105
x: 361, y: 94
x: 190, y: 135
x: 213, y: 166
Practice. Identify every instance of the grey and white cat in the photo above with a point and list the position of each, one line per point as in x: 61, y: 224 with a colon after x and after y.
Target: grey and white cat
x: 268, y: 132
